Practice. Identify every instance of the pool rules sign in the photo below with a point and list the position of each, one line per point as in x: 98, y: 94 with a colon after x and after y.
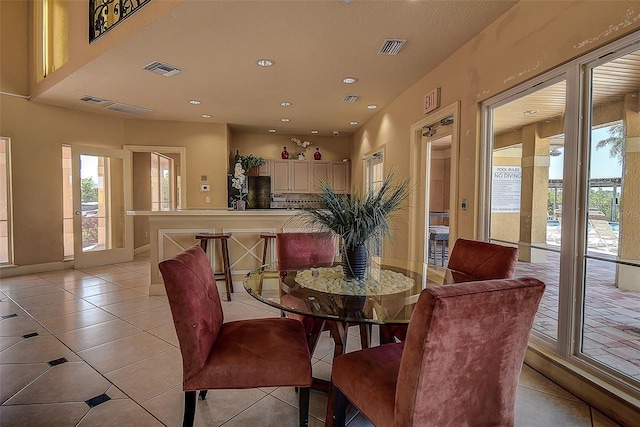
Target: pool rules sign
x: 506, y: 184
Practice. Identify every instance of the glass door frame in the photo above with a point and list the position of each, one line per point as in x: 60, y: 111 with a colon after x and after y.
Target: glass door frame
x: 577, y: 127
x: 108, y: 256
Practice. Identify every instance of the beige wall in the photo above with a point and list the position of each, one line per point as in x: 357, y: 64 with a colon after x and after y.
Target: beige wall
x: 207, y: 153
x: 80, y: 52
x: 37, y: 134
x: 141, y: 197
x: 529, y: 39
x: 14, y: 42
x: 270, y: 146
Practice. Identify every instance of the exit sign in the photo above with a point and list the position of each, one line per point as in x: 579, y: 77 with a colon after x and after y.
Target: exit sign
x: 432, y: 100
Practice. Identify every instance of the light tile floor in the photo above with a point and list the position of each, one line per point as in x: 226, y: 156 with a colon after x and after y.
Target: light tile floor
x: 90, y: 347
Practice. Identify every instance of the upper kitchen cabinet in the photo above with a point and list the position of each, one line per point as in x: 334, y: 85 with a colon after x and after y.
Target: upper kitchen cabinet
x: 305, y: 176
x: 320, y: 172
x: 341, y: 177
x: 290, y: 176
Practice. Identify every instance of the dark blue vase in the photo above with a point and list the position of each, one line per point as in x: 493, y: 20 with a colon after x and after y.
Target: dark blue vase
x: 354, y: 262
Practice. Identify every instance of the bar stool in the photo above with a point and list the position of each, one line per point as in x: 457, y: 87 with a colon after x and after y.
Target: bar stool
x: 267, y: 238
x: 226, y: 273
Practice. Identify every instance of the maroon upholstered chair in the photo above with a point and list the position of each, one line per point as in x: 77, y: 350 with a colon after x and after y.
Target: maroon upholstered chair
x: 302, y: 250
x: 473, y: 260
x: 238, y: 355
x: 470, y: 260
x: 459, y: 365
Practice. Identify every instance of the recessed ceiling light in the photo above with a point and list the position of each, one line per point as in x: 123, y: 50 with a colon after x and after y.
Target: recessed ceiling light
x: 372, y: 106
x: 207, y: 116
x: 272, y: 131
x: 265, y: 62
x: 349, y: 80
x: 194, y: 102
x: 285, y: 104
x: 353, y: 123
x: 285, y: 119
x: 530, y: 112
x: 315, y: 131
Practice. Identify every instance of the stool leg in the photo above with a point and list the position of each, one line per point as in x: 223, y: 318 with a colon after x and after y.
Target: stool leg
x: 227, y: 269
x: 264, y: 251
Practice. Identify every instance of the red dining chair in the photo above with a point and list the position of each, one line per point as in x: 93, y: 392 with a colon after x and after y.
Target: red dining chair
x: 459, y: 365
x: 234, y: 355
x: 470, y: 260
x: 302, y: 250
x: 473, y: 260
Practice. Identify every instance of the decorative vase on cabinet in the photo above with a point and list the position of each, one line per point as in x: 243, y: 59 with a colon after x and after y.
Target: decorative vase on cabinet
x: 285, y: 153
x: 317, y: 155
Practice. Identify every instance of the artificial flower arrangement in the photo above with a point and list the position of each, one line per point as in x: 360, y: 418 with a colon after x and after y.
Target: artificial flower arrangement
x: 238, y: 180
x: 299, y: 143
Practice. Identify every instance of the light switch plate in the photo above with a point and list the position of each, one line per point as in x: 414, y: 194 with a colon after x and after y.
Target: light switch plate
x: 204, y: 187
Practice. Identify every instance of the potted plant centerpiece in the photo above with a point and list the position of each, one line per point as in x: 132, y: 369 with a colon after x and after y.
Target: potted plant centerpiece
x: 251, y: 163
x: 357, y: 219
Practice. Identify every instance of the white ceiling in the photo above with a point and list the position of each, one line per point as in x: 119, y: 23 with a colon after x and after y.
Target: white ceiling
x: 314, y: 45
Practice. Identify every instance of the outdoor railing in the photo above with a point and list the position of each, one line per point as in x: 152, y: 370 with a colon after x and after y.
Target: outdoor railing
x: 105, y: 14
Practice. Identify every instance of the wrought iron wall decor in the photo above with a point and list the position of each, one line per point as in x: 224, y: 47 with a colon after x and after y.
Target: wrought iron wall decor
x: 106, y: 14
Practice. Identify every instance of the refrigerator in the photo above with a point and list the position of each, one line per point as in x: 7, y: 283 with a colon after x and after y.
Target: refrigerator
x: 258, y: 190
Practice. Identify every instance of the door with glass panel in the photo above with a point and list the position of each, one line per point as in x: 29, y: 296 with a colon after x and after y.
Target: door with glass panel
x: 102, y: 230
x: 610, y: 226
x: 526, y: 187
x: 374, y: 177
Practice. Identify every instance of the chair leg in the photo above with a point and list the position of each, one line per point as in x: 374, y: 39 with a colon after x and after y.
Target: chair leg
x: 339, y: 407
x: 303, y: 396
x: 203, y: 394
x: 189, y: 408
x: 227, y: 269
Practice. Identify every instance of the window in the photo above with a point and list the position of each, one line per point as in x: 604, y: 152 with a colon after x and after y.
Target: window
x: 563, y: 169
x: 162, y: 193
x: 52, y: 43
x: 374, y: 177
x: 6, y: 245
x: 67, y: 202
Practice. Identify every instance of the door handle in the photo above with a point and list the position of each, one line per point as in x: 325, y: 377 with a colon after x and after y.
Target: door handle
x: 77, y: 213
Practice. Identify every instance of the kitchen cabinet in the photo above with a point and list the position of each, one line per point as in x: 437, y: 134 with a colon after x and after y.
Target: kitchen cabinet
x: 320, y: 172
x: 305, y: 176
x: 341, y: 177
x: 290, y: 176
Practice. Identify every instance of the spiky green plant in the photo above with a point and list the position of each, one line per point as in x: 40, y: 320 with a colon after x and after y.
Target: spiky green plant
x: 358, y: 217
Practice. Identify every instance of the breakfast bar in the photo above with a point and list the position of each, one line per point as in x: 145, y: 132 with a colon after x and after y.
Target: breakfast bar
x: 174, y: 231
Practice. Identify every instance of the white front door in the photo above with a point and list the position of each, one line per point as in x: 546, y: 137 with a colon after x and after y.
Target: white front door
x: 102, y: 230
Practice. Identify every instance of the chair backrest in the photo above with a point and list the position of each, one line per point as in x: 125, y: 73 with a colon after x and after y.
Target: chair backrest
x: 472, y: 260
x: 299, y: 250
x: 464, y: 352
x: 195, y: 305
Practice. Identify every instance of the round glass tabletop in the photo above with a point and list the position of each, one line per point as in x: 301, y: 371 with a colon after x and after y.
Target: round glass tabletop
x: 386, y: 295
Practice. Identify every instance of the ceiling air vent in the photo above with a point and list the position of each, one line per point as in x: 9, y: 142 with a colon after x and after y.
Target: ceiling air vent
x: 128, y: 109
x: 391, y: 46
x: 93, y: 100
x: 162, y: 68
x: 350, y: 98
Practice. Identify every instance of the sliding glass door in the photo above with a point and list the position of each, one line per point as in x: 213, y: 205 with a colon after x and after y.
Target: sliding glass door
x: 562, y: 171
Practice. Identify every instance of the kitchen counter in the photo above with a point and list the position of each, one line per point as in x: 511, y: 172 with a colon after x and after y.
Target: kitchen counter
x: 174, y: 231
x: 212, y: 212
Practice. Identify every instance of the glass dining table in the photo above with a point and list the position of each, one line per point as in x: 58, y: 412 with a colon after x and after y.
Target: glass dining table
x: 386, y: 295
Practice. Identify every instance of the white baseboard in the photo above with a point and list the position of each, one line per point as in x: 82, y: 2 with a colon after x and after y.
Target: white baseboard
x: 19, y: 270
x: 141, y: 249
